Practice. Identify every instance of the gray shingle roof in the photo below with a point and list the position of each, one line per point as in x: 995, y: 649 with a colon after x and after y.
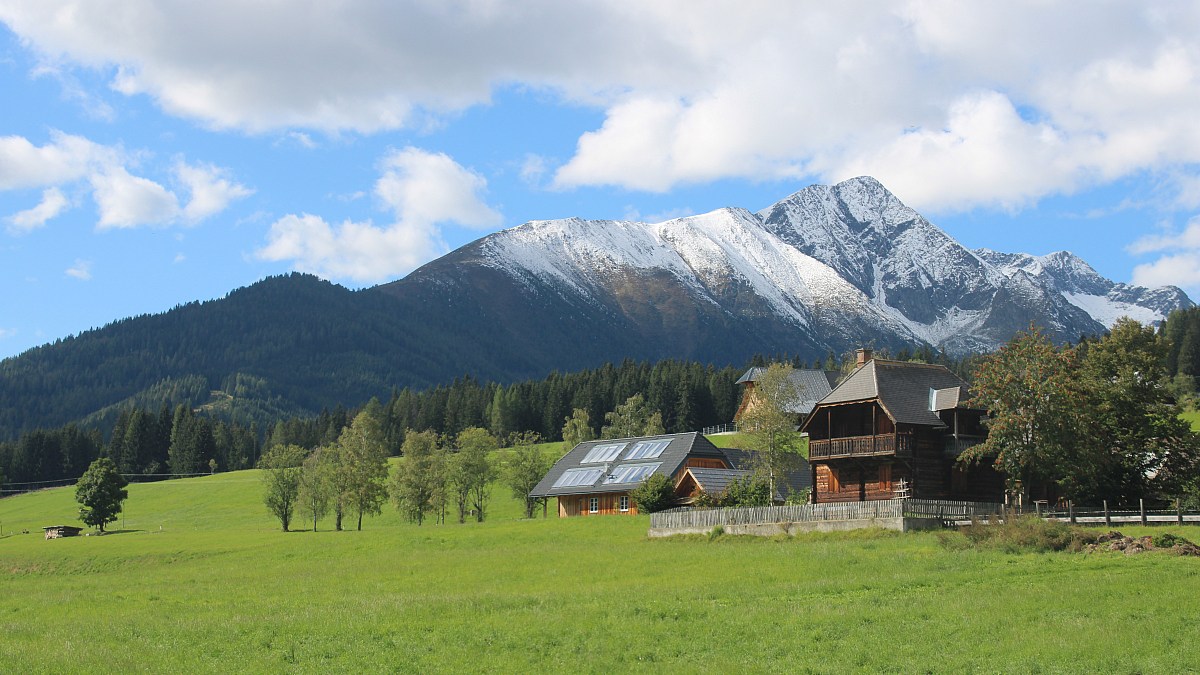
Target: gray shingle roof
x: 811, y: 385
x: 716, y: 481
x: 795, y: 479
x: 907, y: 391
x: 678, y: 449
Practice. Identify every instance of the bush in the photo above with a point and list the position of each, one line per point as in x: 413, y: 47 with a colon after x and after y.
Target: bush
x: 654, y: 494
x: 1020, y: 534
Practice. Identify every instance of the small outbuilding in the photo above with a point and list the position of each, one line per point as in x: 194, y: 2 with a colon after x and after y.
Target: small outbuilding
x: 60, y: 531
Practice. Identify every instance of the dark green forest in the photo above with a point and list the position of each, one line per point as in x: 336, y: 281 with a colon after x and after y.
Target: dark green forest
x: 179, y: 440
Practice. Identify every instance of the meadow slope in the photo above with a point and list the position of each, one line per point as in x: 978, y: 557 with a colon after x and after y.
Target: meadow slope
x: 200, y: 579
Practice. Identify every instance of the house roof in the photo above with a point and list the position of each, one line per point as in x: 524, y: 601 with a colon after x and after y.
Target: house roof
x: 613, y: 465
x: 910, y: 393
x: 796, y: 478
x: 811, y: 385
x: 716, y: 481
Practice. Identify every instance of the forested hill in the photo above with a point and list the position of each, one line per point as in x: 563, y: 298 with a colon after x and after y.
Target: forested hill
x: 302, y: 342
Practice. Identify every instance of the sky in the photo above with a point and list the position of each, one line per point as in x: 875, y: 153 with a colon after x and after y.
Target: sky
x: 156, y: 153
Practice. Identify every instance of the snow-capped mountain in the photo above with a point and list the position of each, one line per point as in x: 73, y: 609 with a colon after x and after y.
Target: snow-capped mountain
x: 828, y: 268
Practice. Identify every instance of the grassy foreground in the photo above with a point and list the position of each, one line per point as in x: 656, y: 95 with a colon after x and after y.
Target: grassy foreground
x: 201, y: 580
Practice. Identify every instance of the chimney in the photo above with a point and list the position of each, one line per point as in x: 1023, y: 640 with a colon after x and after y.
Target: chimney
x: 862, y: 356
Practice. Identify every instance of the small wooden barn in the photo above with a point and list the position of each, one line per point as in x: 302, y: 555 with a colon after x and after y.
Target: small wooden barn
x: 60, y: 531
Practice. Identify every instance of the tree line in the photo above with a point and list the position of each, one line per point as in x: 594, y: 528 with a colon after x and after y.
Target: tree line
x: 439, y: 477
x: 1092, y: 422
x: 182, y: 440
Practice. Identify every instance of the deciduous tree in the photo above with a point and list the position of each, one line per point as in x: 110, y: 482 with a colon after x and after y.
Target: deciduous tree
x: 632, y: 418
x: 364, y: 457
x: 470, y: 472
x: 315, y: 486
x: 577, y: 428
x: 281, y: 471
x: 100, y: 492
x: 1035, y: 404
x: 770, y: 424
x: 414, y: 483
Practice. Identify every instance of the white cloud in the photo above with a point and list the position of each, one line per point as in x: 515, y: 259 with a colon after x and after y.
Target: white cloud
x: 533, y: 167
x: 123, y: 200
x: 53, y: 203
x: 1182, y: 270
x: 430, y: 188
x: 952, y: 104
x: 7, y: 332
x: 423, y: 190
x: 1179, y: 264
x: 64, y: 159
x: 210, y: 190
x: 127, y: 201
x: 1188, y: 239
x: 82, y: 270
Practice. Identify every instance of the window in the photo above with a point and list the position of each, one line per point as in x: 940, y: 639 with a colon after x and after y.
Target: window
x: 594, y: 505
x: 631, y: 473
x: 649, y: 449
x: 579, y: 477
x: 603, y: 453
x: 624, y: 502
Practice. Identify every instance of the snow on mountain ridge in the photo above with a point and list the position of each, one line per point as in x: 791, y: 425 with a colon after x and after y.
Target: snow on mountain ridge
x: 835, y: 258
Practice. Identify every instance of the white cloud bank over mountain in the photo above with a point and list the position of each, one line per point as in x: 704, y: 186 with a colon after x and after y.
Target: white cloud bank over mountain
x: 952, y: 105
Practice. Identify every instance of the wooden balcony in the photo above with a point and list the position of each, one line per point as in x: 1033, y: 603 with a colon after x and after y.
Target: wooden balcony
x: 861, y: 446
x: 956, y: 446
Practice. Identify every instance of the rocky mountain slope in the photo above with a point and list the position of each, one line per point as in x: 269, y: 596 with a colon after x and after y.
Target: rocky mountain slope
x: 829, y: 268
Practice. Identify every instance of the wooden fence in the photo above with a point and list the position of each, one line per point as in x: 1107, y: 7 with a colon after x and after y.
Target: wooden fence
x: 890, y: 508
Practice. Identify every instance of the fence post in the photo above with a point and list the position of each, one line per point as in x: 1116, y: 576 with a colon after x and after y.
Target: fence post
x: 1107, y: 518
x: 1142, y: 509
x: 1179, y: 510
x: 1071, y: 511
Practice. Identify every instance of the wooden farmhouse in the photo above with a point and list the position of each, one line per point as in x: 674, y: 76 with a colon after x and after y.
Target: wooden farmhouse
x: 811, y: 386
x: 894, y: 429
x: 595, y: 477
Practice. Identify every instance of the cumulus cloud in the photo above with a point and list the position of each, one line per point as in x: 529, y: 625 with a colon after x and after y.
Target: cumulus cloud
x: 123, y: 200
x: 210, y: 189
x: 64, y: 159
x: 1179, y: 262
x: 952, y: 104
x: 422, y: 190
x: 127, y: 201
x: 53, y: 203
x: 82, y: 270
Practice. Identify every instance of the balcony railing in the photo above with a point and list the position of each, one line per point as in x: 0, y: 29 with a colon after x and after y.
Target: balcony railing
x: 956, y: 446
x: 861, y: 446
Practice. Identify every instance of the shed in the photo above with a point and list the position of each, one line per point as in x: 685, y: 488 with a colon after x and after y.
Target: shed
x: 59, y: 531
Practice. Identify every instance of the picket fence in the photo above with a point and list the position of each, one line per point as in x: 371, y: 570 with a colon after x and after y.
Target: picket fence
x: 891, y: 508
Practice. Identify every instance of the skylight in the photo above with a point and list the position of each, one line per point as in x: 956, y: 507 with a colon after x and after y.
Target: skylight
x: 579, y: 477
x: 649, y: 449
x: 603, y: 453
x: 631, y: 473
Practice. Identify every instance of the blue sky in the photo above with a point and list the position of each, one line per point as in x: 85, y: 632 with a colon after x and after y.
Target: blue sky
x: 154, y: 153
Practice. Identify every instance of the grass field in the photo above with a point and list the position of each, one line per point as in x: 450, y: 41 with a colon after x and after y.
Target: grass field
x: 1193, y: 417
x: 199, y: 579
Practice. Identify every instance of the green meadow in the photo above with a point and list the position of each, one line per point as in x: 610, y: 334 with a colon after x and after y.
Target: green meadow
x: 198, y: 578
x: 1192, y: 417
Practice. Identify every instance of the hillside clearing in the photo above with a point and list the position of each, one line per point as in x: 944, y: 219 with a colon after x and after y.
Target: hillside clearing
x: 200, y: 579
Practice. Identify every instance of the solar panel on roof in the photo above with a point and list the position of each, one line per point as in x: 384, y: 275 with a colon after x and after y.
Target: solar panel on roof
x: 631, y: 473
x: 603, y: 453
x: 648, y: 449
x: 578, y: 477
